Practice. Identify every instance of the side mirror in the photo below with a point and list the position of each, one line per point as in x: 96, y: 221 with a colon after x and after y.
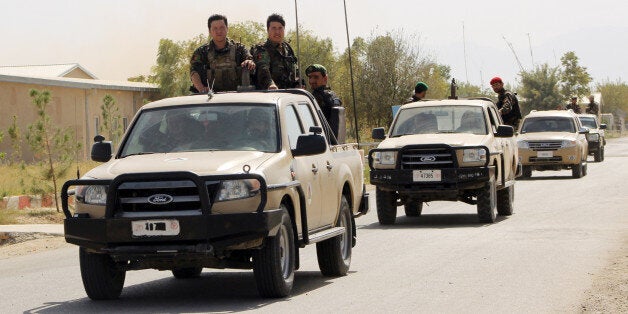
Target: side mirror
x: 101, y: 150
x: 603, y: 126
x: 583, y: 131
x: 505, y: 131
x: 378, y: 134
x: 312, y: 144
x: 316, y: 130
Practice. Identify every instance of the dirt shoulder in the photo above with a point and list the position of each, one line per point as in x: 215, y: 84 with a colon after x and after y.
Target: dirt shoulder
x: 14, y: 244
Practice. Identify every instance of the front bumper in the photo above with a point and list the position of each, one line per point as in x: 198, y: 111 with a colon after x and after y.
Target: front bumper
x: 454, y: 179
x: 202, y: 232
x: 563, y: 156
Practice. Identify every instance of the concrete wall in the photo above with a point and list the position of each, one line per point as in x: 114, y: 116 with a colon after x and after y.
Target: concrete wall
x: 69, y: 107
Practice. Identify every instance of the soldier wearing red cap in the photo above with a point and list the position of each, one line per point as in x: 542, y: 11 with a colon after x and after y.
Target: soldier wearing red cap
x: 507, y: 103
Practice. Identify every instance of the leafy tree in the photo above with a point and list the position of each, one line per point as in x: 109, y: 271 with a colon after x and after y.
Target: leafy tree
x: 313, y: 50
x: 111, y: 120
x: 55, y: 146
x: 248, y: 33
x: 573, y: 77
x: 540, y: 89
x: 16, y: 141
x: 614, y: 95
x: 467, y: 90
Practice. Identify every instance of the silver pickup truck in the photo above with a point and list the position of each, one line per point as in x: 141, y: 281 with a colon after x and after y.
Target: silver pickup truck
x: 230, y: 180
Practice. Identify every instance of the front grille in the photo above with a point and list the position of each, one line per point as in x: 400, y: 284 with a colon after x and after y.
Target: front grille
x: 133, y: 197
x: 546, y: 159
x: 545, y: 145
x: 427, y: 158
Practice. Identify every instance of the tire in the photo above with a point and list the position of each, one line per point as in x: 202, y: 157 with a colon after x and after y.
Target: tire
x: 526, y: 171
x: 505, y: 197
x: 187, y: 272
x: 413, y: 208
x: 334, y: 255
x: 274, y: 263
x: 598, y: 156
x: 585, y: 169
x: 487, y: 203
x: 386, y: 206
x: 577, y: 171
x: 102, y: 279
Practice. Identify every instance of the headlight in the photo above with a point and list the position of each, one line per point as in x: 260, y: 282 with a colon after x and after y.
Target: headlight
x: 569, y: 143
x: 385, y: 159
x: 593, y: 137
x: 523, y: 144
x: 92, y: 194
x: 474, y: 155
x: 237, y: 189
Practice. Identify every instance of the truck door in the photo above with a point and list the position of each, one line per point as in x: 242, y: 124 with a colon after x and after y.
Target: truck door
x: 307, y: 169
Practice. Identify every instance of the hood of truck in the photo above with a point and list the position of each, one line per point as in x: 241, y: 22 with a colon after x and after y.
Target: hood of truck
x: 200, y: 163
x: 452, y: 139
x: 547, y: 136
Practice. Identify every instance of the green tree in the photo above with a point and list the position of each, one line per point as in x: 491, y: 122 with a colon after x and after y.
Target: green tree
x: 16, y: 141
x: 540, y: 89
x: 467, y: 90
x: 54, y: 146
x: 574, y: 79
x: 614, y: 95
x: 111, y: 125
x: 248, y: 33
x: 313, y: 49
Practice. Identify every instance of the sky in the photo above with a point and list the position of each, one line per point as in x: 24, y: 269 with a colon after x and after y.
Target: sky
x: 117, y: 39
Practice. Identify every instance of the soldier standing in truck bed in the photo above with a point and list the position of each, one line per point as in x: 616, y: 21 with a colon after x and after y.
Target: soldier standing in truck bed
x: 325, y: 97
x: 275, y: 59
x: 507, y: 103
x: 219, y: 62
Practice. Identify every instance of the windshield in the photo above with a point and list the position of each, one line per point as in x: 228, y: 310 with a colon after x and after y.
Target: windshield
x: 225, y: 127
x: 441, y: 119
x: 588, y: 122
x: 548, y: 124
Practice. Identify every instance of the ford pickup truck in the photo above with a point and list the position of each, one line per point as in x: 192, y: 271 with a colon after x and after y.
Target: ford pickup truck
x: 227, y: 180
x: 445, y: 150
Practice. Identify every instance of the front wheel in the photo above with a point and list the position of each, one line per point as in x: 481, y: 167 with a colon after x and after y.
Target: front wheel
x: 102, y: 279
x: 386, y: 206
x: 526, y: 171
x: 486, y: 202
x: 273, y: 264
x: 334, y: 255
x: 505, y: 197
x: 577, y: 170
x: 413, y: 208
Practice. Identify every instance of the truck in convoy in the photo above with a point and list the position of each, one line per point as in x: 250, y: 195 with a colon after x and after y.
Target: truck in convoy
x: 228, y: 180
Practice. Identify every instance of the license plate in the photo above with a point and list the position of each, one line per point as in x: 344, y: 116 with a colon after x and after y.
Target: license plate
x: 155, y: 227
x: 544, y: 154
x: 426, y: 175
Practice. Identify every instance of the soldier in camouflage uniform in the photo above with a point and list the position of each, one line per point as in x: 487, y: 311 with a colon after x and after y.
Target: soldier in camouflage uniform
x: 573, y: 105
x: 220, y: 61
x: 325, y: 97
x: 275, y: 59
x: 507, y: 103
x: 420, y: 90
x: 592, y: 107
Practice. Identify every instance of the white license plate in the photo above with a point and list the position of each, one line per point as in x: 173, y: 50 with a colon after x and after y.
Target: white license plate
x: 426, y: 175
x: 544, y: 154
x: 155, y: 227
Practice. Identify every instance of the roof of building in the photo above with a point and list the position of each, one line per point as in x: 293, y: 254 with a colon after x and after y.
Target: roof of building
x: 80, y: 83
x: 43, y: 70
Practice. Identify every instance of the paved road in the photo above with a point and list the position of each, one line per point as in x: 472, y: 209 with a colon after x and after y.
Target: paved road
x: 541, y: 259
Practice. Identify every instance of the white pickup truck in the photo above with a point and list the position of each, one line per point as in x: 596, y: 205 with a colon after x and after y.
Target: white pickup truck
x: 229, y: 180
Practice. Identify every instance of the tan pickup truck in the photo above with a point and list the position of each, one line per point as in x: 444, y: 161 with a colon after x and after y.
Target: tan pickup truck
x: 234, y: 180
x: 445, y: 150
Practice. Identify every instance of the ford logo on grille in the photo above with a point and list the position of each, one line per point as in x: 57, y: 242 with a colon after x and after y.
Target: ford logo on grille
x: 428, y: 158
x: 160, y: 199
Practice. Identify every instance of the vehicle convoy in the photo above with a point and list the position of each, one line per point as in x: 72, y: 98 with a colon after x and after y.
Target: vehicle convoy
x: 445, y: 150
x: 553, y: 140
x: 595, y: 138
x: 234, y: 180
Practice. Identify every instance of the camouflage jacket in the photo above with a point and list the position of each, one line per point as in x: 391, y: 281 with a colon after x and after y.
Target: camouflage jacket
x: 275, y: 64
x: 574, y: 107
x: 412, y: 99
x: 326, y: 99
x: 222, y: 67
x: 508, y: 106
x: 592, y: 108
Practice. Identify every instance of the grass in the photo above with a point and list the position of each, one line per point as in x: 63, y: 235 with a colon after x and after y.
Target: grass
x: 30, y: 216
x: 8, y: 217
x: 17, y: 181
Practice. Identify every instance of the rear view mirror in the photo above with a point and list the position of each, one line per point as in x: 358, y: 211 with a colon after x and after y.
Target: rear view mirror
x: 505, y: 131
x: 603, y: 126
x: 378, y: 134
x: 311, y: 144
x: 101, y: 150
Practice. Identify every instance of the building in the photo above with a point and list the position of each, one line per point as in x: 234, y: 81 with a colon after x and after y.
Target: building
x: 76, y: 99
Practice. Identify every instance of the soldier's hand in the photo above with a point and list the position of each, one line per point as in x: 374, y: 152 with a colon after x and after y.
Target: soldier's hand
x: 248, y: 64
x: 272, y: 86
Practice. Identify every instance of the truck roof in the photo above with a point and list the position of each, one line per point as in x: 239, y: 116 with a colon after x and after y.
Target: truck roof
x: 264, y: 97
x: 552, y: 113
x: 450, y: 102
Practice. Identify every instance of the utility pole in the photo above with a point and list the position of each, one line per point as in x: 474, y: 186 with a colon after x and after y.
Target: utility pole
x: 355, y: 111
x: 464, y: 45
x: 514, y: 53
x: 531, y: 55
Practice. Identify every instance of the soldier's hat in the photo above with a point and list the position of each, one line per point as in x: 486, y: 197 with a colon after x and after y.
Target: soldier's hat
x: 316, y: 68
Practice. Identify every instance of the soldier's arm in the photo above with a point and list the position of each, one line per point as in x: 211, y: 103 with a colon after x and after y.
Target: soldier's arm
x: 507, y: 106
x: 197, y: 66
x: 262, y: 64
x: 244, y: 56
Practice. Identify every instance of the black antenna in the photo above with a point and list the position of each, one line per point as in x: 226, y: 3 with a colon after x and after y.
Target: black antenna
x: 355, y: 111
x: 296, y: 13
